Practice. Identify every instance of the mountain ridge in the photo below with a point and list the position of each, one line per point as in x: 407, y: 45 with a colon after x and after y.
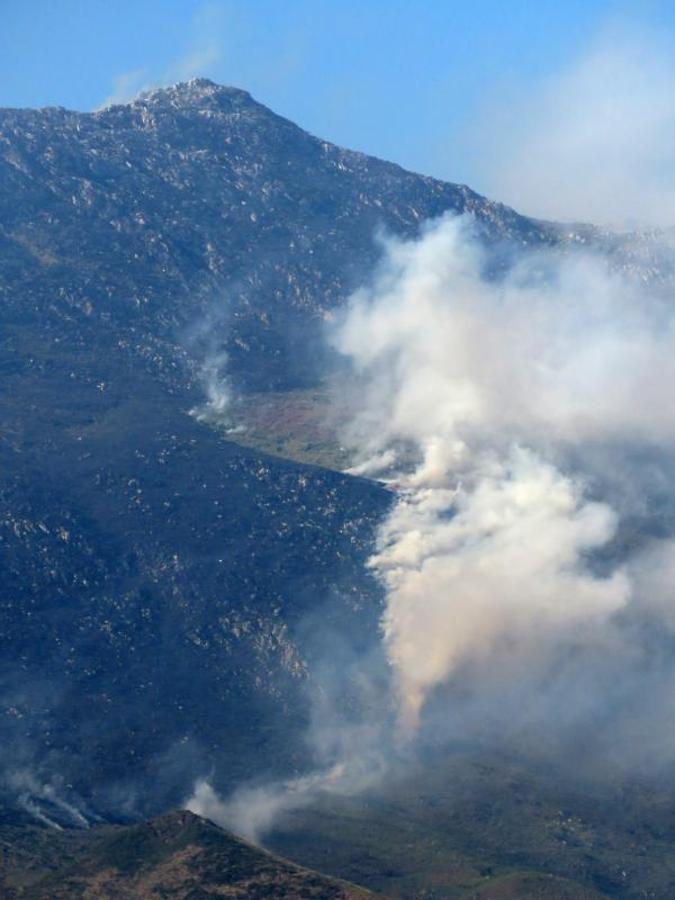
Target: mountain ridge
x: 178, y: 854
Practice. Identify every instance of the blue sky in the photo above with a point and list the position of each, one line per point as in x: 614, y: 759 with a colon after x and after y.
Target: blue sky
x: 401, y: 80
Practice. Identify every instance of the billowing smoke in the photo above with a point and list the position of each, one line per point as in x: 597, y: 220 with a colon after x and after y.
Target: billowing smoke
x: 46, y: 800
x: 484, y: 401
x: 497, y: 561
x: 519, y: 411
x: 348, y: 746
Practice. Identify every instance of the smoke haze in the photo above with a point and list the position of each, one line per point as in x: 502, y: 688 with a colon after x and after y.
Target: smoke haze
x: 592, y: 143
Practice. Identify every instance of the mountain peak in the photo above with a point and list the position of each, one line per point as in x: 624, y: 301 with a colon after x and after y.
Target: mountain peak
x: 197, y: 91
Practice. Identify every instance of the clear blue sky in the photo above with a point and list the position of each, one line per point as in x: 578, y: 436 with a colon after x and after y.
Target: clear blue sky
x: 401, y: 80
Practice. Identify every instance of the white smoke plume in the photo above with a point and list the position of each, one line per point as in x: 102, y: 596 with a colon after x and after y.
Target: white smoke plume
x: 499, y: 561
x: 219, y: 394
x: 504, y: 411
x: 203, y: 51
x: 474, y: 391
x: 46, y: 800
x: 252, y: 810
x: 204, y: 342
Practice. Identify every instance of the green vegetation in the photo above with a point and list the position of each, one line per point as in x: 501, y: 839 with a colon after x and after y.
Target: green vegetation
x: 299, y: 425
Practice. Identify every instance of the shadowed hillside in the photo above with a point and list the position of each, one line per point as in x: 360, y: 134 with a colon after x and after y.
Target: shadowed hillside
x: 178, y: 855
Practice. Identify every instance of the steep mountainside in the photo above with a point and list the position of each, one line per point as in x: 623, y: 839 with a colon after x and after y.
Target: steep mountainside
x: 161, y: 591
x: 124, y: 228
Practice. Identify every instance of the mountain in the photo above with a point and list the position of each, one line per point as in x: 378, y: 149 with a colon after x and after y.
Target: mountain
x: 172, y: 591
x: 163, y: 589
x: 177, y: 855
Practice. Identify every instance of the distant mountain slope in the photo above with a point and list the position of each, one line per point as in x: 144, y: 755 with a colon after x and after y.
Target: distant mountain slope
x: 178, y: 855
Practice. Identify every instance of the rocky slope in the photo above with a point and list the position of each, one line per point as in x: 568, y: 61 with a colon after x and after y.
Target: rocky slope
x: 178, y: 855
x: 130, y: 225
